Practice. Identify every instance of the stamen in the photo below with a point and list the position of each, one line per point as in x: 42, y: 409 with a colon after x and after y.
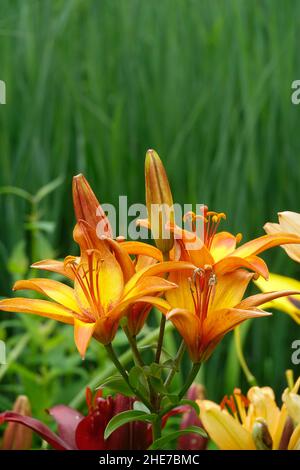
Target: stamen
x: 210, y: 224
x: 202, y: 286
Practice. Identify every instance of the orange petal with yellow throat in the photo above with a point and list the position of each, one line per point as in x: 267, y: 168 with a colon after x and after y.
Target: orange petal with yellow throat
x: 260, y: 299
x: 181, y: 297
x: 189, y: 327
x: 158, y: 269
x: 87, y: 206
x: 223, y: 244
x: 82, y: 335
x: 123, y: 258
x: 162, y: 305
x: 99, y: 282
x: 43, y: 308
x: 56, y: 267
x: 229, y: 290
x: 57, y: 291
x: 258, y: 245
x: 253, y: 263
x: 140, y: 248
x: 222, y: 321
x: 150, y: 285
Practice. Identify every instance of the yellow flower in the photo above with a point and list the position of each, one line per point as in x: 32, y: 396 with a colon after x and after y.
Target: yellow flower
x: 289, y: 304
x: 255, y: 422
x: 288, y: 222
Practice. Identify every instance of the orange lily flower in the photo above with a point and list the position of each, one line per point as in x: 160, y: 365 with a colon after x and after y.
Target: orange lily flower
x: 205, y: 307
x: 106, y: 284
x: 288, y: 222
x: 104, y: 287
x: 220, y: 250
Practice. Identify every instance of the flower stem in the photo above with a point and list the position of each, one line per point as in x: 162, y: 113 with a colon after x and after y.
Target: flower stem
x: 239, y: 351
x: 177, y: 361
x: 166, y: 257
x: 112, y: 355
x: 132, y: 341
x: 139, y: 361
x: 192, y: 375
x: 156, y: 428
x: 160, y: 339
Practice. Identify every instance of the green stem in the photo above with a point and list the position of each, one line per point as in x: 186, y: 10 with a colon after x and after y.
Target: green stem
x: 239, y: 351
x: 177, y: 361
x: 156, y: 428
x: 139, y: 361
x: 125, y: 358
x: 160, y: 338
x: 112, y: 355
x: 192, y: 375
x: 166, y: 257
x: 136, y: 353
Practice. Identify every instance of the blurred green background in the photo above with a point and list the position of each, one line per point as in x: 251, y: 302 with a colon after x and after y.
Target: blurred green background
x: 91, y: 84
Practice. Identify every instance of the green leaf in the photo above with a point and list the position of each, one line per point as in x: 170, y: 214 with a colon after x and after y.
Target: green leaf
x: 127, y: 417
x: 116, y: 383
x: 47, y: 189
x: 16, y: 192
x: 158, y: 385
x: 191, y: 403
x: 139, y: 406
x: 138, y: 380
x: 162, y: 441
x: 44, y: 225
x: 18, y: 262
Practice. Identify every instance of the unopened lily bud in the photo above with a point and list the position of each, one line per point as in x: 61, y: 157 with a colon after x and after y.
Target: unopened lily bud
x: 261, y: 435
x: 87, y: 207
x: 159, y: 202
x: 17, y: 436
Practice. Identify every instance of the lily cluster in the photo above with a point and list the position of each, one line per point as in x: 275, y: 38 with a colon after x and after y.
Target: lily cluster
x: 196, y: 280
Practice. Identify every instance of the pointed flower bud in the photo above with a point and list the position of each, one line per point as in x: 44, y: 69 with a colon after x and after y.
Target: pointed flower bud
x: 87, y: 207
x: 17, y: 436
x: 159, y: 201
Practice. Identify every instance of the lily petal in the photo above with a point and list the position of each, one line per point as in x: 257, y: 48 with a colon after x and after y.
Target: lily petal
x: 230, y: 289
x: 67, y: 420
x: 55, y: 267
x: 158, y: 269
x: 189, y: 328
x: 43, y: 308
x: 41, y: 429
x: 253, y: 263
x: 294, y: 443
x: 181, y: 297
x: 220, y: 322
x: 150, y: 285
x: 82, y: 335
x: 258, y: 245
x: 260, y: 299
x: 140, y: 248
x: 289, y: 304
x: 57, y: 291
x: 223, y: 429
x: 222, y: 245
